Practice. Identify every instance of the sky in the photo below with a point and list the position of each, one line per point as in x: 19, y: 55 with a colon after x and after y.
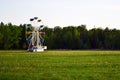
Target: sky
x: 92, y: 13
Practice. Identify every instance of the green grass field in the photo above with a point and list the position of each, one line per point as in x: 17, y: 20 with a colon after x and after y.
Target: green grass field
x: 60, y: 65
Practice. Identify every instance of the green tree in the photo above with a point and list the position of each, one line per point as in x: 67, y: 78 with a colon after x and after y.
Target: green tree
x: 49, y: 37
x: 58, y: 37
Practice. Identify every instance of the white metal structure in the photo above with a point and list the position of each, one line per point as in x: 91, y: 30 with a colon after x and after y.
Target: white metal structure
x: 34, y: 37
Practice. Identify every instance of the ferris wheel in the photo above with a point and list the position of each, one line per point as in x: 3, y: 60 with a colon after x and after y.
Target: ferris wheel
x: 34, y: 35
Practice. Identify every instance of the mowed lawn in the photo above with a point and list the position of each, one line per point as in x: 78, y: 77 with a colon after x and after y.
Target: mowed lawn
x: 60, y: 65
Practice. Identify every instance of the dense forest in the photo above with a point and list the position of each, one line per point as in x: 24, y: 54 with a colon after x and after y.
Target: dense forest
x: 70, y: 37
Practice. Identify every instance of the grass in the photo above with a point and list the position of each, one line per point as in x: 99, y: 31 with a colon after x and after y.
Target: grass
x: 60, y: 65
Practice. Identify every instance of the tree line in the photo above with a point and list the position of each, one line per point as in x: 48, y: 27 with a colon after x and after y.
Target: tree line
x: 70, y: 37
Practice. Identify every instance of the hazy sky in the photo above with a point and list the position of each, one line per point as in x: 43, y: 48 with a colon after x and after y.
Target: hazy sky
x: 101, y: 13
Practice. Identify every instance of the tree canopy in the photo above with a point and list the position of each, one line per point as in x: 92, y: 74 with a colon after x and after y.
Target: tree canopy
x: 70, y: 37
